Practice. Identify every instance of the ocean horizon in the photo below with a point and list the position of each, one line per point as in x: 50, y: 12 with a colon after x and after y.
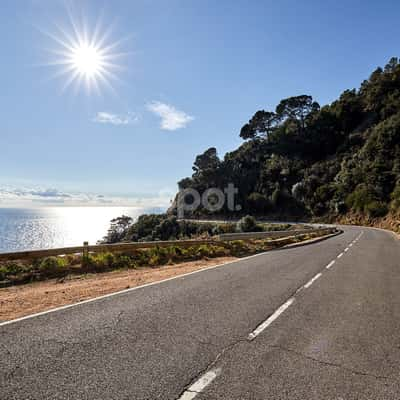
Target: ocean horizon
x: 52, y: 227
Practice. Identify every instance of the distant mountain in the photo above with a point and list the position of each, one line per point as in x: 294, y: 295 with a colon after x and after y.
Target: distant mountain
x: 305, y: 161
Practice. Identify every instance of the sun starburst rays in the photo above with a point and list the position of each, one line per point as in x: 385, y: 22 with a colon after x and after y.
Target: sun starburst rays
x: 86, y: 58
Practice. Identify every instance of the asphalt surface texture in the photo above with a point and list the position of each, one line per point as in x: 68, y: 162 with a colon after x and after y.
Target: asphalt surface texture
x: 324, y: 333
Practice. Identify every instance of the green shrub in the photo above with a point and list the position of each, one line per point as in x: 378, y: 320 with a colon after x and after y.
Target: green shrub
x: 225, y: 228
x: 395, y: 196
x: 376, y: 209
x: 238, y: 248
x: 248, y: 224
x: 13, y: 268
x: 104, y: 260
x: 359, y: 199
x: 364, y: 200
x: 220, y: 251
x: 204, y: 251
x: 52, y: 265
x: 3, y: 273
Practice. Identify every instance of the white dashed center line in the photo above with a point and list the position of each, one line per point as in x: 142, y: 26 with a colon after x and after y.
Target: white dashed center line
x: 330, y: 264
x: 271, y: 319
x: 197, y: 387
x: 200, y: 384
x: 286, y: 305
x: 311, y: 281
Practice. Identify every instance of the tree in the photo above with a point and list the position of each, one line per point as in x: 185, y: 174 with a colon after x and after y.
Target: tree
x: 207, y: 161
x: 118, y: 228
x: 348, y: 110
x: 206, y: 168
x: 144, y: 227
x: 261, y: 124
x: 259, y: 203
x: 323, y: 135
x: 311, y: 160
x: 381, y: 92
x: 168, y: 229
x: 297, y: 108
x: 185, y: 183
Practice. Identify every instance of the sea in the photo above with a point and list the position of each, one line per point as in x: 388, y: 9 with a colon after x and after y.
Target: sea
x: 52, y: 227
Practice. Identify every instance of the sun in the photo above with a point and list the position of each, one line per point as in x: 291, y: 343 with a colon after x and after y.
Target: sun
x: 85, y: 58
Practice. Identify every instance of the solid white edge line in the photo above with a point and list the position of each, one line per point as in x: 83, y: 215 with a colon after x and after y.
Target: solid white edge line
x: 340, y: 255
x: 330, y: 264
x: 200, y: 384
x: 346, y: 249
x: 270, y: 319
x: 312, y: 280
x: 126, y: 290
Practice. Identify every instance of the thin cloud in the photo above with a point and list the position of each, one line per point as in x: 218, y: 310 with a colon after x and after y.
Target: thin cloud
x: 27, y: 196
x: 171, y: 118
x: 104, y: 117
x: 49, y: 193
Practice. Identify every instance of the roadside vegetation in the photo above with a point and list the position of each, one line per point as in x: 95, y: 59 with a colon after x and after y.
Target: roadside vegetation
x: 300, y: 161
x: 17, y: 272
x: 151, y: 227
x: 306, y: 161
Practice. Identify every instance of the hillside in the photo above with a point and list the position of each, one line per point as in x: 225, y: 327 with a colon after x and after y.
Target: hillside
x: 336, y: 163
x: 305, y: 161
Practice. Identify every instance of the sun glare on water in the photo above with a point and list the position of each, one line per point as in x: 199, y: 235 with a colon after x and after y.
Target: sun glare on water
x: 84, y: 57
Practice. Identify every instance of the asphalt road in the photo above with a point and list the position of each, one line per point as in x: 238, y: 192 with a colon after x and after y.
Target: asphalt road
x: 317, y: 332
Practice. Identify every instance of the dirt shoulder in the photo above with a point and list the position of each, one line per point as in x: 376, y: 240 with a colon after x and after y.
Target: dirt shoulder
x: 21, y: 300
x: 18, y: 301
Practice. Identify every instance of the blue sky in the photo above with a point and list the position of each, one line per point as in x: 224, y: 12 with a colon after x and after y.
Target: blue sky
x: 195, y: 73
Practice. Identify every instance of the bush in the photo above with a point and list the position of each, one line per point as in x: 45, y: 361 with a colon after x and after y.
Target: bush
x: 106, y: 261
x: 364, y: 200
x: 248, y: 224
x: 224, y: 228
x: 376, y: 209
x: 238, y: 248
x: 359, y: 199
x: 13, y: 268
x: 52, y: 265
x: 395, y: 196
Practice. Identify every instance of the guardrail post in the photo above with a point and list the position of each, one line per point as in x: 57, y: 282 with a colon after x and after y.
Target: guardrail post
x: 85, y: 252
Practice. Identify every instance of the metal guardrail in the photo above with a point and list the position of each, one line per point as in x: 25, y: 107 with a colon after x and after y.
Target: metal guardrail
x: 272, y: 234
x: 99, y: 248
x: 131, y: 246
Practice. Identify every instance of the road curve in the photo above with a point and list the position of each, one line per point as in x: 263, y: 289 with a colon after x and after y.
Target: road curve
x: 314, y: 322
